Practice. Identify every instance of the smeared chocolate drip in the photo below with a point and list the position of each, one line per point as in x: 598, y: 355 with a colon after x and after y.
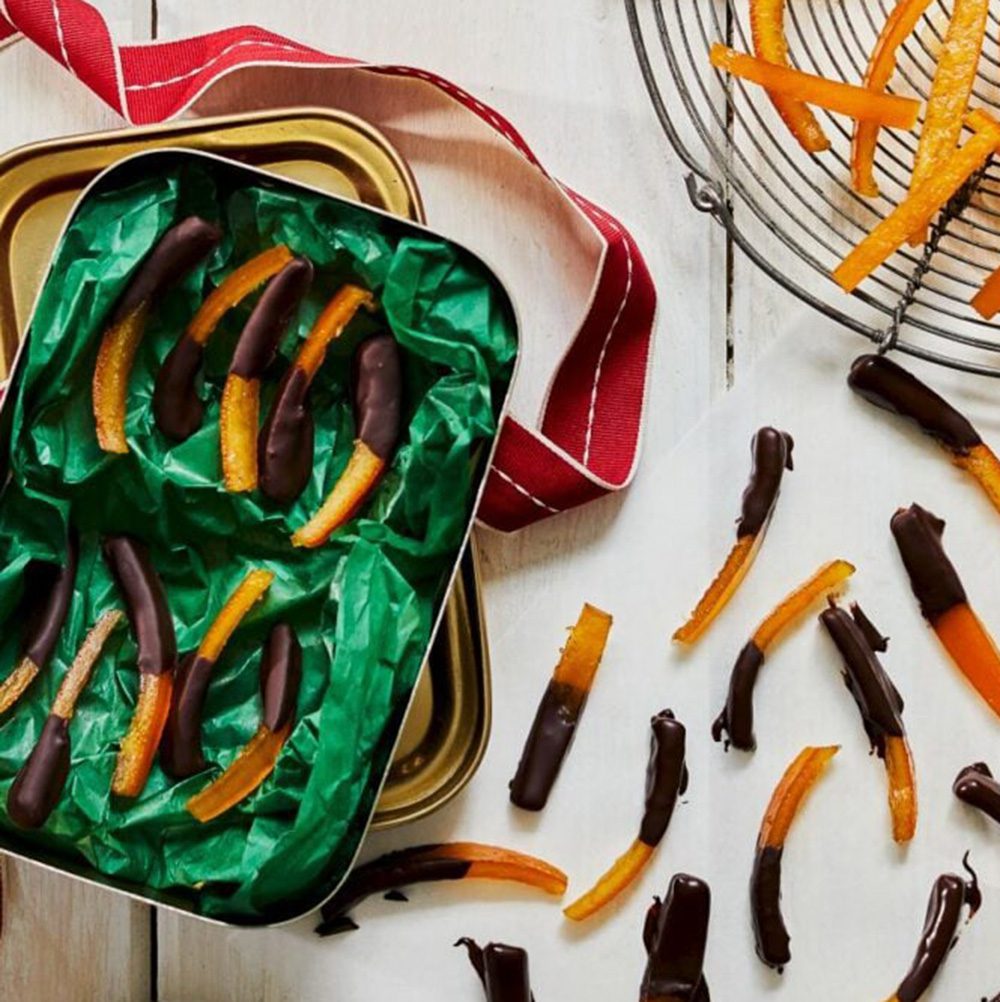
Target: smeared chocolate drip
x: 889, y: 386
x: 548, y: 742
x: 286, y: 444
x: 177, y: 408
x: 181, y: 753
x: 39, y: 783
x: 736, y: 718
x: 674, y: 935
x: 270, y: 318
x: 176, y: 253
x: 502, y: 969
x: 145, y: 601
x: 48, y: 595
x: 770, y: 933
x: 280, y: 675
x: 944, y: 911
x: 378, y: 391
x: 880, y: 704
x: 772, y: 455
x: 976, y: 787
x: 416, y: 865
x: 666, y: 776
x: 874, y: 637
x: 933, y: 578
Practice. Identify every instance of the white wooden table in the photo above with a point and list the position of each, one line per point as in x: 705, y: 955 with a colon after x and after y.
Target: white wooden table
x: 564, y: 72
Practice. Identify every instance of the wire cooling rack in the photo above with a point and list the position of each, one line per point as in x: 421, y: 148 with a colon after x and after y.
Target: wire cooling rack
x: 795, y: 214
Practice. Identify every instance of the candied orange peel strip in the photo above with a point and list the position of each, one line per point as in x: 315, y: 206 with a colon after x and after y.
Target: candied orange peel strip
x: 902, y: 788
x: 234, y: 288
x: 581, y: 657
x: 16, y: 683
x: 111, y: 376
x: 827, y: 580
x: 489, y: 862
x: 767, y: 25
x: 76, y: 678
x: 623, y: 872
x: 239, y: 418
x: 981, y: 462
x: 986, y: 302
x: 972, y: 649
x: 916, y: 210
x: 360, y: 476
x: 249, y: 591
x: 790, y: 793
x: 957, y: 64
x: 330, y: 324
x: 245, y: 773
x: 881, y: 66
x: 138, y: 747
x: 847, y: 99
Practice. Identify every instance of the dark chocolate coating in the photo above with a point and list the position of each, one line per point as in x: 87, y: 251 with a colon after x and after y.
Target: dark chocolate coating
x: 181, y: 753
x: 270, y: 318
x: 874, y: 637
x: 39, y: 783
x: 175, y: 254
x: 548, y: 742
x: 769, y: 930
x: 976, y: 787
x: 177, y: 408
x: 933, y: 578
x: 502, y: 969
x: 416, y: 865
x: 146, y: 602
x: 674, y: 935
x: 736, y: 718
x: 666, y: 776
x: 772, y: 455
x: 286, y: 443
x: 889, y: 386
x: 48, y: 614
x: 876, y: 696
x: 378, y: 391
x: 944, y: 911
x: 280, y: 676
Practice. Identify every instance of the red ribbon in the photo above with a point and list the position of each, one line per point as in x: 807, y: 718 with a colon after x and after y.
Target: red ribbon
x: 587, y: 440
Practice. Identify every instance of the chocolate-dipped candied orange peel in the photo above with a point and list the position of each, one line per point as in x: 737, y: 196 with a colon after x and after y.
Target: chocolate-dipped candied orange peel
x: 180, y: 751
x: 280, y: 678
x: 881, y: 709
x: 943, y: 602
x: 736, y: 718
x: 429, y: 863
x: 675, y: 935
x: 770, y: 935
x: 39, y: 782
x: 772, y: 455
x: 48, y: 591
x: 560, y: 710
x: 378, y: 390
x: 239, y: 415
x: 286, y: 440
x: 177, y: 407
x: 887, y: 385
x: 502, y: 969
x: 153, y: 627
x: 975, y: 786
x: 176, y: 253
x: 666, y: 780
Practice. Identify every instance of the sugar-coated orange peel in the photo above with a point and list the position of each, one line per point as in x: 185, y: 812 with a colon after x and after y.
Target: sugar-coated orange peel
x: 330, y: 324
x: 847, y: 99
x: 790, y: 793
x: 247, y: 594
x: 916, y: 210
x: 622, y: 873
x: 767, y: 25
x: 902, y: 788
x: 16, y: 683
x: 972, y: 649
x: 138, y: 747
x: 111, y: 377
x: 581, y: 657
x: 247, y: 771
x: 881, y: 66
x: 234, y: 288
x: 986, y: 302
x: 362, y: 473
x: 981, y: 462
x: 239, y: 417
x: 948, y: 101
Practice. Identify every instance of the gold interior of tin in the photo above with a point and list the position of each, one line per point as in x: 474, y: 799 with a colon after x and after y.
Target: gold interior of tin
x: 446, y: 728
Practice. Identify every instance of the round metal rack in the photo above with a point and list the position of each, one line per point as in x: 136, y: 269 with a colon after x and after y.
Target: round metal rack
x: 795, y: 214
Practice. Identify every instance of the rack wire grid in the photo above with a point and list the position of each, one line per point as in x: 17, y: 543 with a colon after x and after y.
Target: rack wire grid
x: 795, y: 214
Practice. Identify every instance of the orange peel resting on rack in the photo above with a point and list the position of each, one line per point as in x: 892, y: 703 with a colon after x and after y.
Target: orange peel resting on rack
x: 986, y: 302
x: 881, y: 65
x: 767, y: 25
